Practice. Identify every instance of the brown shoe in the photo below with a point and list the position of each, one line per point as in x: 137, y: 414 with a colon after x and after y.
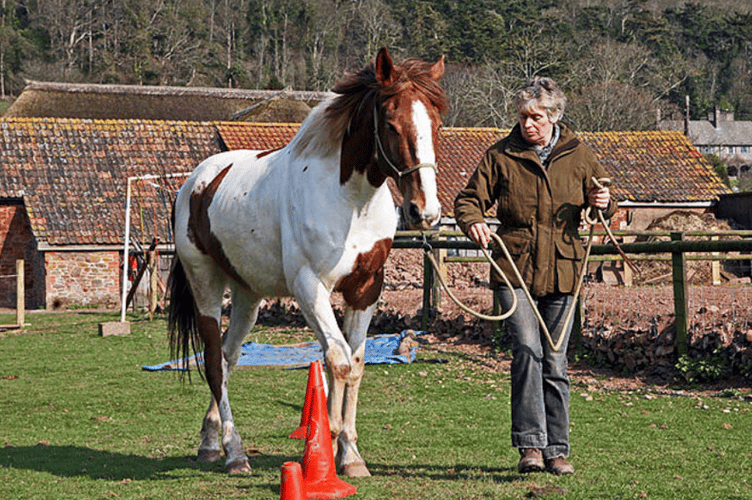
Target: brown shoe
x: 531, y: 461
x: 559, y: 466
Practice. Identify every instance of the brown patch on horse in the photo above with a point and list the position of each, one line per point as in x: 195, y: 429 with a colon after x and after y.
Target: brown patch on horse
x: 208, y: 329
x: 358, y: 150
x: 362, y: 286
x: 267, y: 152
x: 199, y: 227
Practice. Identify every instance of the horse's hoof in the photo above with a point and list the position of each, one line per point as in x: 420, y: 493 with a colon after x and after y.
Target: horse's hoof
x: 238, y: 467
x: 355, y: 470
x: 208, y: 455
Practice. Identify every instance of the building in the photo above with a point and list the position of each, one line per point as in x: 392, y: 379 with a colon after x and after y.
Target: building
x: 722, y: 136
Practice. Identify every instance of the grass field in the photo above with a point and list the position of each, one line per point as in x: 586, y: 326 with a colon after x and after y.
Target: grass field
x: 80, y: 419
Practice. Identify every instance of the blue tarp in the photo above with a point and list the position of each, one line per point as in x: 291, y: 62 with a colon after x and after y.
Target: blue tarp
x: 380, y: 349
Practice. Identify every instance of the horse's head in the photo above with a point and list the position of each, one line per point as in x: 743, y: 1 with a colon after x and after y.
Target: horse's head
x: 394, y: 129
x: 407, y: 118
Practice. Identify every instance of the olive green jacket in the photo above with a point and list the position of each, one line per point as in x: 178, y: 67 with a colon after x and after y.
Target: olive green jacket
x: 539, y: 208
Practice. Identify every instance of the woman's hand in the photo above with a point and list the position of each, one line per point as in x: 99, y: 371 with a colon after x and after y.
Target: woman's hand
x: 599, y: 198
x: 480, y: 233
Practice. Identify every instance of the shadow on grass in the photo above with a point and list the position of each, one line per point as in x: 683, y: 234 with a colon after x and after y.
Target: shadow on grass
x: 76, y: 461
x: 458, y: 472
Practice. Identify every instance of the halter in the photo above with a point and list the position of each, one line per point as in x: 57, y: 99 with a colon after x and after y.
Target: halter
x: 397, y: 172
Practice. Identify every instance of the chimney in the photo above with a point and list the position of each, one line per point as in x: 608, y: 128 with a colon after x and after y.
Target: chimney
x: 717, y: 117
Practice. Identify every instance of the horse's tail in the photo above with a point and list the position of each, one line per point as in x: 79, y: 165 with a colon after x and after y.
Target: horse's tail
x: 182, y: 328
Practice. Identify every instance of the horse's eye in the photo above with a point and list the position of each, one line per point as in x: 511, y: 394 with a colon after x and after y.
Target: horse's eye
x: 392, y: 128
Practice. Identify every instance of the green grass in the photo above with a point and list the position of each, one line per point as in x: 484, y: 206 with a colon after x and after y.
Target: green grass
x: 80, y: 419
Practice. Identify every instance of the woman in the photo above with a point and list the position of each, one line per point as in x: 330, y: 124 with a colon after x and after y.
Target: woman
x: 541, y: 178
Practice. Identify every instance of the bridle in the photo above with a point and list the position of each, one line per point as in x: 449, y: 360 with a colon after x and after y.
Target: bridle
x: 397, y: 173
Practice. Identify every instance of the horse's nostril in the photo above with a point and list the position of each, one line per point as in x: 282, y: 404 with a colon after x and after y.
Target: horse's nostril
x: 414, y: 212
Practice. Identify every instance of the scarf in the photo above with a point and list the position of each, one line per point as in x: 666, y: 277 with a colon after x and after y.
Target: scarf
x: 544, y: 152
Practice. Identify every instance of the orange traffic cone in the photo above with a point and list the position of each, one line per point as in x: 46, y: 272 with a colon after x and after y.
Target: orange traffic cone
x: 314, y: 379
x: 319, y: 470
x: 292, y: 487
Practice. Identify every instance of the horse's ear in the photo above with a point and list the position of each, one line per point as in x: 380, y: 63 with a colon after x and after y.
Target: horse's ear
x: 384, y: 67
x: 437, y: 70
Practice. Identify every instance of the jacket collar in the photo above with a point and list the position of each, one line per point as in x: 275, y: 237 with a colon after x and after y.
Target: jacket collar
x: 518, y: 146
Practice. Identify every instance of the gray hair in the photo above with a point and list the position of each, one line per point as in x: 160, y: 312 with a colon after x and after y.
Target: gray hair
x: 542, y: 92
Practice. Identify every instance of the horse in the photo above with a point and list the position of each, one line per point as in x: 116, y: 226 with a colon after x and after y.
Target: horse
x: 307, y: 220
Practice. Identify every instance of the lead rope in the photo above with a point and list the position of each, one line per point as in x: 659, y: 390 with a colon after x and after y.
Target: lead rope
x: 493, y: 263
x: 600, y: 183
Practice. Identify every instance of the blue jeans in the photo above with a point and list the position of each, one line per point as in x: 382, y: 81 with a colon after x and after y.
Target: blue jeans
x: 540, y: 386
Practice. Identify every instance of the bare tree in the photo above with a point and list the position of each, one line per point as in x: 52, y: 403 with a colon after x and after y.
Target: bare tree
x: 322, y: 38
x: 609, y: 89
x: 372, y: 27
x: 478, y: 96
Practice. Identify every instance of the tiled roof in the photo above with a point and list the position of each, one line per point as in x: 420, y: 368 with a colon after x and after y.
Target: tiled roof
x: 460, y: 149
x: 72, y: 173
x: 655, y: 166
x: 256, y: 136
x: 703, y: 133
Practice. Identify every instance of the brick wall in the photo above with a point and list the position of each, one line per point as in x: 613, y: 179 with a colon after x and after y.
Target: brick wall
x: 17, y: 242
x: 82, y: 278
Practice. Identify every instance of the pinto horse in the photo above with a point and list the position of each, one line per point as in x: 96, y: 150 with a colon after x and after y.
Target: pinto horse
x: 310, y: 219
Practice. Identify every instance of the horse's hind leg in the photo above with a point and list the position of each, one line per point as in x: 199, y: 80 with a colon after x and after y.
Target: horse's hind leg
x: 218, y: 421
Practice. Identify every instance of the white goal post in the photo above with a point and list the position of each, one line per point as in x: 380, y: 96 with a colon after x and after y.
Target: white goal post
x: 126, y: 240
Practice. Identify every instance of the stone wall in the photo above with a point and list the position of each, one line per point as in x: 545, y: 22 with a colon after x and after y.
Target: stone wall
x: 90, y: 279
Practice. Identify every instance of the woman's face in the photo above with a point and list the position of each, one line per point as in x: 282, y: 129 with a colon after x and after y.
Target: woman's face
x: 536, y: 126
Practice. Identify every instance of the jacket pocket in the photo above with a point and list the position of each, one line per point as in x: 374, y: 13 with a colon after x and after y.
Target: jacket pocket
x: 519, y: 248
x: 568, y: 264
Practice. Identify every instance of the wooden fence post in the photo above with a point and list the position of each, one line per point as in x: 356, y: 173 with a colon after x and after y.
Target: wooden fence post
x: 439, y: 255
x: 679, y: 273
x: 427, y: 287
x: 20, y: 294
x: 715, y: 266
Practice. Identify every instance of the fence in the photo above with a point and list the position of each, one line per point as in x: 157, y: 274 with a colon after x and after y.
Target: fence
x: 676, y: 251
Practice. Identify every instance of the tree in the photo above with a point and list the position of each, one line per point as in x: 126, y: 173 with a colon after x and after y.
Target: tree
x: 13, y: 45
x: 608, y: 91
x: 479, y: 96
x: 371, y: 26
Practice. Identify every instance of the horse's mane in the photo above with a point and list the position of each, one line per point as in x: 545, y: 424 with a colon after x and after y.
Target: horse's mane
x: 355, y: 96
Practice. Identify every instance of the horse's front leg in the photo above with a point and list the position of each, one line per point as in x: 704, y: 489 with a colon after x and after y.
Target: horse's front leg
x: 313, y: 298
x: 349, y: 461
